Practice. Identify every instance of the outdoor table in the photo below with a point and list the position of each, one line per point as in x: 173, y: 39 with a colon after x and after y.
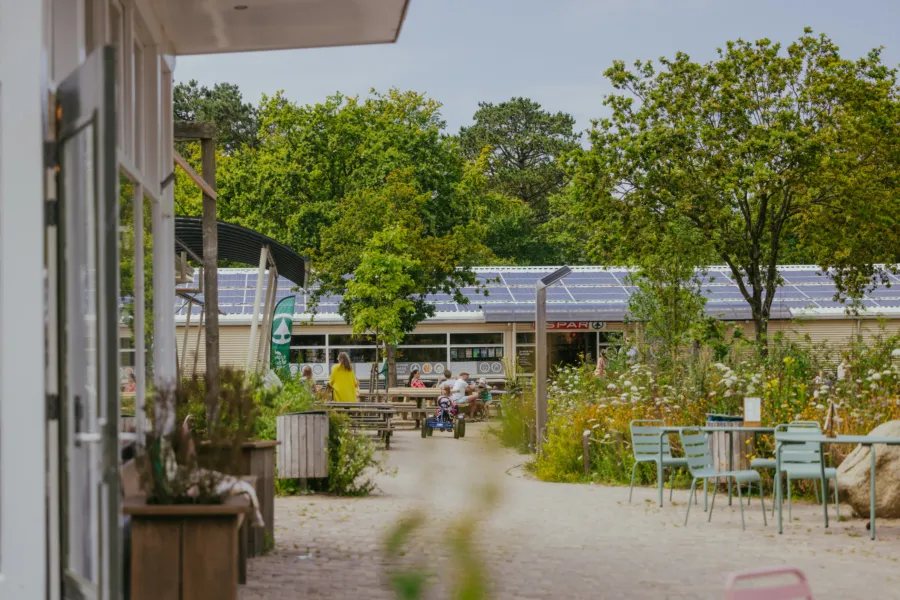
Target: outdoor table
x: 664, y: 431
x: 862, y: 440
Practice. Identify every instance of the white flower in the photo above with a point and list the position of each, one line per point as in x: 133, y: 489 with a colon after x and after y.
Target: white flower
x: 611, y: 387
x: 816, y: 394
x: 820, y: 406
x: 628, y: 384
x: 876, y: 377
x: 596, y: 426
x: 634, y: 389
x: 607, y: 436
x: 728, y: 393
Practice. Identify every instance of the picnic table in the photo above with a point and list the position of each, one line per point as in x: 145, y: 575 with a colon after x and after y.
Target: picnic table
x: 373, y: 416
x: 821, y: 440
x: 728, y: 430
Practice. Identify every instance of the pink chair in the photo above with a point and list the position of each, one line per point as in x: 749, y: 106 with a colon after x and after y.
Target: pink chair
x: 799, y: 588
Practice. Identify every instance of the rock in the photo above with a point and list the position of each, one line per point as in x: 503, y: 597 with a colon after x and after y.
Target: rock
x: 855, y: 470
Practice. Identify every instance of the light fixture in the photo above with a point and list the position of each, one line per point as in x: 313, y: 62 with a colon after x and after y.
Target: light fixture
x: 555, y: 276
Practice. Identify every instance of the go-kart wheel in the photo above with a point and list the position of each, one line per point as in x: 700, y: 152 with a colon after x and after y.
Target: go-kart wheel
x: 456, y: 430
x: 461, y: 424
x: 425, y: 429
x: 430, y: 431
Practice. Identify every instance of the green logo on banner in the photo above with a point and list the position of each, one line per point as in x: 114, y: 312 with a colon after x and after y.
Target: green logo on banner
x: 282, y: 325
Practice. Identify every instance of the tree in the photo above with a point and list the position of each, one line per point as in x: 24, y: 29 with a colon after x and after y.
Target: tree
x: 754, y: 148
x: 236, y: 121
x: 393, y: 259
x: 525, y: 144
x: 311, y: 158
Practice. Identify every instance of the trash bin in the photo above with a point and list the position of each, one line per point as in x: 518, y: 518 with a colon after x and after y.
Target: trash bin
x: 718, y: 442
x: 303, y: 452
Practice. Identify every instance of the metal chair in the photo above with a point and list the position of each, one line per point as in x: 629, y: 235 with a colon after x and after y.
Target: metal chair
x: 769, y: 463
x: 803, y: 461
x: 700, y: 462
x: 798, y: 588
x: 645, y: 446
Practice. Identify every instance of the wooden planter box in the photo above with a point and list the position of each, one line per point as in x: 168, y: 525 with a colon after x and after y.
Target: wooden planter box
x: 185, y: 551
x: 303, y: 453
x: 259, y: 461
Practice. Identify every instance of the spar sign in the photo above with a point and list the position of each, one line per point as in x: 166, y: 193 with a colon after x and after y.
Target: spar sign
x: 575, y: 325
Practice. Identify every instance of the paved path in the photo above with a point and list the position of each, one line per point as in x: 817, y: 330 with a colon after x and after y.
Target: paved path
x: 552, y: 540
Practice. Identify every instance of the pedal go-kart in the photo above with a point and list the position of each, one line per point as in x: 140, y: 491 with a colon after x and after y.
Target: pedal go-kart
x: 446, y: 420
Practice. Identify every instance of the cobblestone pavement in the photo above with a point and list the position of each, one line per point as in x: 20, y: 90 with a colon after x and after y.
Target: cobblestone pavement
x: 547, y: 540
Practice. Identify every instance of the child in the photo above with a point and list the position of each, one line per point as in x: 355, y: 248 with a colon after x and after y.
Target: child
x: 485, y: 397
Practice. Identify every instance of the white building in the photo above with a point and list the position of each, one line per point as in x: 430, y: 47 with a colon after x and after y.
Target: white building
x: 86, y: 106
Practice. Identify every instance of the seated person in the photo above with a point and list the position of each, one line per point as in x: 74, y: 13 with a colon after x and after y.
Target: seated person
x: 464, y: 392
x: 485, y: 398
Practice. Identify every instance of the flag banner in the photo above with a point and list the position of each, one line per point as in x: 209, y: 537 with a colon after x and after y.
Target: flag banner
x: 282, y: 326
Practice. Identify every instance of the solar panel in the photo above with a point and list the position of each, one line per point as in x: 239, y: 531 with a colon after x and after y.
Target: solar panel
x: 496, y: 294
x: 600, y: 278
x: 524, y: 278
x: 445, y: 307
x: 523, y: 294
x: 804, y: 277
x: 588, y: 294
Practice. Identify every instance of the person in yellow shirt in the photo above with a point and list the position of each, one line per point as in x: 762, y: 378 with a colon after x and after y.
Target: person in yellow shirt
x: 342, y: 382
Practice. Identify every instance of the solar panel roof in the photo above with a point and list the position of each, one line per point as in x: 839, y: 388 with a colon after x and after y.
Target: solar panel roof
x: 586, y: 291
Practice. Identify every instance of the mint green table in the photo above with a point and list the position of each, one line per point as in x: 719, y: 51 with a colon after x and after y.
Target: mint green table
x: 862, y: 440
x: 664, y: 431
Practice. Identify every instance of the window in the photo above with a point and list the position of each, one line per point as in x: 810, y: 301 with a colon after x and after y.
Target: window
x: 357, y: 355
x: 525, y: 338
x: 471, y: 339
x: 425, y: 339
x: 421, y: 355
x: 350, y: 340
x: 301, y: 356
x: 477, y: 353
x: 610, y: 338
x: 314, y: 341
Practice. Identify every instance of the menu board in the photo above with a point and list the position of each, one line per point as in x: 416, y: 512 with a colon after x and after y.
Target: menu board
x: 525, y: 358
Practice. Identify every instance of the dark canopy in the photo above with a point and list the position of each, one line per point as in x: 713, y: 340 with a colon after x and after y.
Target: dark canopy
x: 239, y: 244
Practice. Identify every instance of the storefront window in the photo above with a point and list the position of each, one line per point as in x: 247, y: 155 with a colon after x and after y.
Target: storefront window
x: 525, y: 338
x: 357, y: 355
x: 473, y: 339
x: 420, y: 355
x: 302, y: 356
x: 341, y: 339
x: 424, y: 339
x: 306, y: 341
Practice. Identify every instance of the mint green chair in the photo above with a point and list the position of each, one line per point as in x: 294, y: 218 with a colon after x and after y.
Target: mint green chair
x: 700, y: 462
x: 769, y: 463
x: 645, y: 446
x: 804, y: 461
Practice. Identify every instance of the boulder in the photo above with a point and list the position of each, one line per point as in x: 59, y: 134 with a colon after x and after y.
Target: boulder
x: 854, y: 476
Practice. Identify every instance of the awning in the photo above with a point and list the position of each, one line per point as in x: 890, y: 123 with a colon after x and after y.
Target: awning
x: 205, y: 27
x: 239, y: 244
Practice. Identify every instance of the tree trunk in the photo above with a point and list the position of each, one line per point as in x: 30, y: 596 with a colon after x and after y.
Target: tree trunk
x: 762, y: 332
x: 391, y: 379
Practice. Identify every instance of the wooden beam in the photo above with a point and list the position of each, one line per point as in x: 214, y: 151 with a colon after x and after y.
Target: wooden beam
x: 210, y: 277
x: 195, y: 177
x: 191, y: 130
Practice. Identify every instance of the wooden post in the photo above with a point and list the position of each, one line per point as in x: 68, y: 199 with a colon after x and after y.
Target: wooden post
x: 586, y: 452
x: 257, y: 299
x: 210, y: 272
x: 540, y: 367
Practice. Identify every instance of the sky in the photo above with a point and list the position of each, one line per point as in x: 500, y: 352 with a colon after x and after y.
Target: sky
x: 462, y: 52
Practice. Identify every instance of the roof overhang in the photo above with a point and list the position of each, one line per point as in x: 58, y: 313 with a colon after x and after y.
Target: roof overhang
x: 239, y: 244
x: 220, y: 26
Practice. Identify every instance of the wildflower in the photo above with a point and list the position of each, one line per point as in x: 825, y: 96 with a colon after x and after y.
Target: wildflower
x: 596, y: 426
x: 728, y: 393
x: 820, y: 406
x: 628, y: 384
x: 607, y: 436
x: 611, y: 387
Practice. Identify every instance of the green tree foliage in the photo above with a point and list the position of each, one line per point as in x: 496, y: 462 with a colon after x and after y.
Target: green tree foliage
x: 668, y: 301
x: 395, y: 259
x: 524, y: 146
x: 236, y: 121
x: 759, y: 146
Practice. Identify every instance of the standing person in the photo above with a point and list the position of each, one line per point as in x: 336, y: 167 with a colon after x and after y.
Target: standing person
x: 414, y: 380
x: 343, y: 381
x: 308, y: 380
x: 843, y: 370
x: 600, y: 371
x: 463, y: 392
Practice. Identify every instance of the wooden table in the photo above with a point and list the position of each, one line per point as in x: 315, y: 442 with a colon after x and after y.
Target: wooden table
x: 375, y: 416
x: 185, y: 550
x: 729, y: 430
x: 821, y: 440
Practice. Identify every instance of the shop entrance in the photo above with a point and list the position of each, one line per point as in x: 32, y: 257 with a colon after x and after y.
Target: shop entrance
x: 571, y: 348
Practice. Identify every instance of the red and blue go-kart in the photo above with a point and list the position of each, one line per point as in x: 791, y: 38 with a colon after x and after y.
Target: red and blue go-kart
x: 445, y: 420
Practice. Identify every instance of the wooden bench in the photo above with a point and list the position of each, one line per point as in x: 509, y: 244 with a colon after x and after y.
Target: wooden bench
x: 368, y: 416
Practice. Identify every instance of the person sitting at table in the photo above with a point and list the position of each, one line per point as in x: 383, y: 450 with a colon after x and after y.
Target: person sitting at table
x: 308, y: 381
x: 343, y: 383
x: 463, y: 392
x: 414, y: 381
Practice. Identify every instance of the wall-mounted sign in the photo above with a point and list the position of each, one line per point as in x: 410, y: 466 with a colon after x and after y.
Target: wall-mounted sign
x: 575, y: 325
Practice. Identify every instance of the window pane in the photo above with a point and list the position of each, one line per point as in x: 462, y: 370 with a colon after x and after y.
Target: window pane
x: 611, y: 337
x: 307, y: 356
x: 351, y: 340
x: 308, y: 340
x: 357, y: 355
x: 525, y: 338
x: 415, y: 355
x: 127, y: 379
x: 477, y: 353
x: 425, y: 339
x: 476, y: 338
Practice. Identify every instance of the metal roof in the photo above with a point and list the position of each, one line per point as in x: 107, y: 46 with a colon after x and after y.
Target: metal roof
x: 239, y: 244
x: 588, y: 294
